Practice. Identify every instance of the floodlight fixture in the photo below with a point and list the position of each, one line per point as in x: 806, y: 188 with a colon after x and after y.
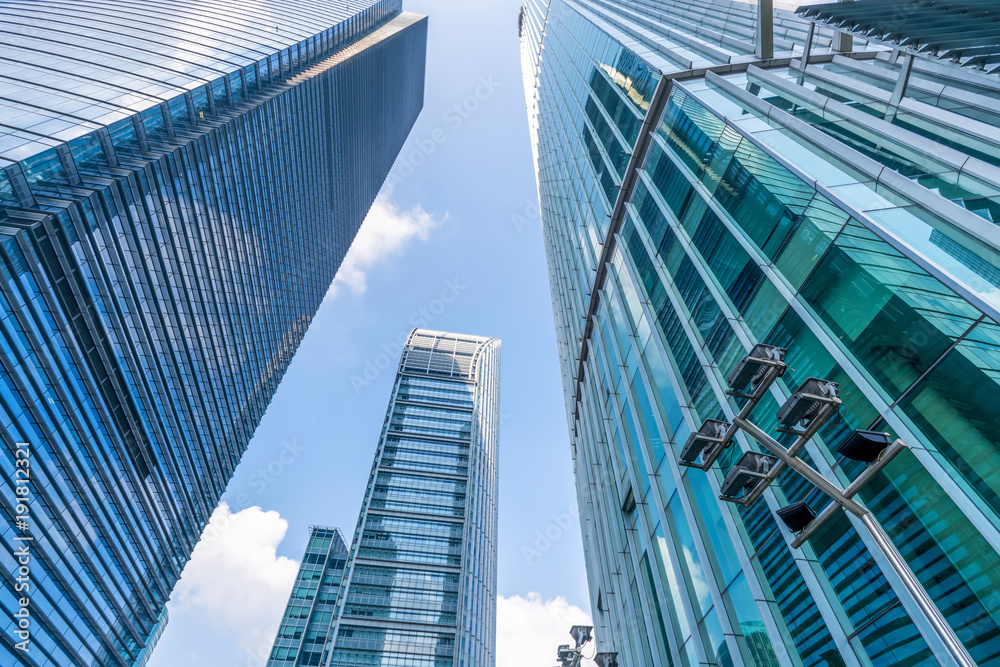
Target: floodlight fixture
x: 709, y: 435
x: 750, y: 470
x: 865, y: 446
x: 755, y: 365
x: 566, y: 655
x: 609, y: 659
x: 796, y: 516
x: 581, y: 634
x: 811, y: 405
x: 807, y: 401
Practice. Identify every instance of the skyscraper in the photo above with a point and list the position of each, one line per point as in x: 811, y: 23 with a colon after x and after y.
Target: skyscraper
x: 420, y: 585
x: 304, y: 634
x: 705, y: 188
x: 179, y: 182
x: 422, y: 573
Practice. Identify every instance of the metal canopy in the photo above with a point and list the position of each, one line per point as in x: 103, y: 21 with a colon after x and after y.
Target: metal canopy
x: 966, y: 32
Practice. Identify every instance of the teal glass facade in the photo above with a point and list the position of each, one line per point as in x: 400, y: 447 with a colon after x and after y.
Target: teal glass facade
x: 697, y: 200
x: 306, y: 628
x: 178, y: 184
x: 420, y: 587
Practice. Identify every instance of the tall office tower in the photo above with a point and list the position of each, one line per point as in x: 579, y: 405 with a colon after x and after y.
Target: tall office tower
x: 704, y: 189
x: 420, y: 588
x: 179, y: 182
x: 304, y: 634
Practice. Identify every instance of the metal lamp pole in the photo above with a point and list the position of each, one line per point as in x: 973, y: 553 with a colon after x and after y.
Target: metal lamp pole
x: 809, y: 407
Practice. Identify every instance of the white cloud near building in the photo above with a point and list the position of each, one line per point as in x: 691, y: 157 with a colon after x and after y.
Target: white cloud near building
x: 530, y: 629
x: 385, y: 233
x: 235, y: 582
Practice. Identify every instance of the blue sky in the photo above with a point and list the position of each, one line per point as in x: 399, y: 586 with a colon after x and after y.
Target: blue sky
x: 455, y: 244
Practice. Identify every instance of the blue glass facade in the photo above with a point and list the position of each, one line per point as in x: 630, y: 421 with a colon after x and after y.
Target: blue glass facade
x: 154, y: 637
x: 698, y: 199
x: 178, y: 184
x: 421, y: 576
x: 306, y: 628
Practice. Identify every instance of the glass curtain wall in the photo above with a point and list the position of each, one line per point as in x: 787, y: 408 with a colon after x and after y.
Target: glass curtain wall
x: 178, y: 184
x: 305, y: 632
x: 421, y: 585
x: 697, y: 200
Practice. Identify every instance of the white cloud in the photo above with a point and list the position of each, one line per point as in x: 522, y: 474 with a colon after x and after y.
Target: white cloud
x: 530, y: 629
x: 386, y: 232
x: 235, y: 583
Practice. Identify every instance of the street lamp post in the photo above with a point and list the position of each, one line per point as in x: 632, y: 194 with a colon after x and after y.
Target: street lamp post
x: 802, y: 415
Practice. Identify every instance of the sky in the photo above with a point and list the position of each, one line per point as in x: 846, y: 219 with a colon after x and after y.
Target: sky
x: 452, y: 243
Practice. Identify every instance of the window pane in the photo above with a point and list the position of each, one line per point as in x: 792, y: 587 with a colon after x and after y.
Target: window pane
x: 895, y: 318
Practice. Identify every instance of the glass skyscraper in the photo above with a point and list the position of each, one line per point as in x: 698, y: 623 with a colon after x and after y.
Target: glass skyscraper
x: 304, y: 635
x: 705, y: 188
x: 420, y: 585
x: 179, y: 182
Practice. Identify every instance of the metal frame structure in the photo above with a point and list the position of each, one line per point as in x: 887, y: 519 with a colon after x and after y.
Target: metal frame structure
x: 652, y: 117
x: 966, y: 33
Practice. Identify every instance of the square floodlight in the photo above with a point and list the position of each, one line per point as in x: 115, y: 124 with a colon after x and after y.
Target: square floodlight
x: 746, y: 473
x: 581, y: 634
x: 750, y: 369
x: 606, y: 659
x: 806, y: 402
x: 707, y: 436
x: 796, y: 516
x: 865, y: 445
